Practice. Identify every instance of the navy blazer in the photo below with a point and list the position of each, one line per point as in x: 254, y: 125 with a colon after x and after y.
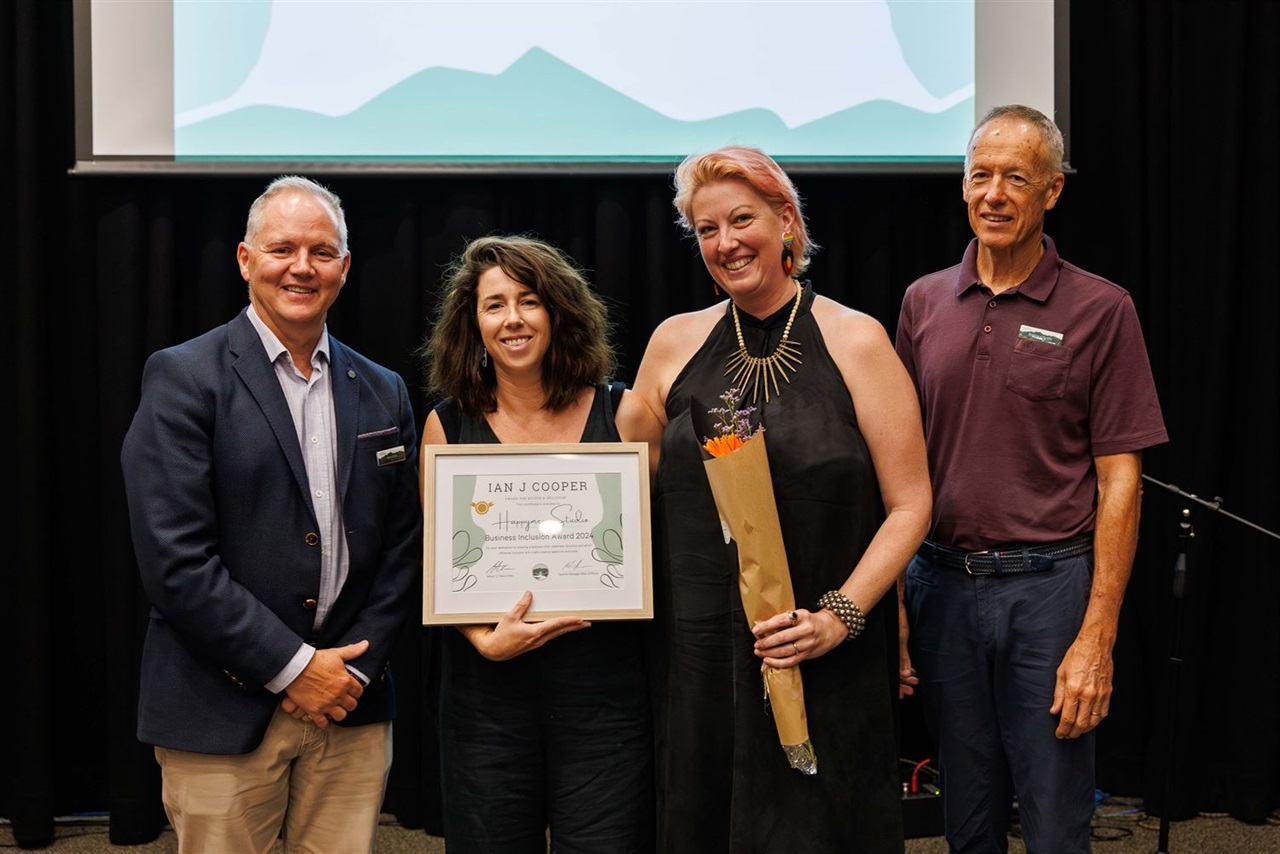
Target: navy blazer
x: 226, y: 538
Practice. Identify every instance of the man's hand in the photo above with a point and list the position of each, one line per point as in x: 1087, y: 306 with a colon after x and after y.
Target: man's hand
x: 326, y: 690
x: 1082, y: 693
x: 512, y: 636
x: 907, y: 678
x: 289, y: 707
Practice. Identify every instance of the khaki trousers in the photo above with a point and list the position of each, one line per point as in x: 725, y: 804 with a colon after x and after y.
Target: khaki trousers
x: 322, y: 787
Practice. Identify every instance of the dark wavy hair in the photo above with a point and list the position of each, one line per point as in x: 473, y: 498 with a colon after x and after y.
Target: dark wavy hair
x: 580, y: 353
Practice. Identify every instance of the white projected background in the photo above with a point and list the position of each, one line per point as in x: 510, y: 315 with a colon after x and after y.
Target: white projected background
x: 575, y: 80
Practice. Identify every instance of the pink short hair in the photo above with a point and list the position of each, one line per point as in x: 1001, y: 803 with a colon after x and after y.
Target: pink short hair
x: 755, y: 168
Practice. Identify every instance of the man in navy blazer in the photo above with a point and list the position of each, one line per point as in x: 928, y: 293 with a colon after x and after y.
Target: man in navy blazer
x: 272, y: 482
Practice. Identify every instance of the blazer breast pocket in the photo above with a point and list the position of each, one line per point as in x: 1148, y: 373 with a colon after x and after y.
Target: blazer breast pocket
x: 380, y: 449
x: 375, y: 434
x: 1039, y: 371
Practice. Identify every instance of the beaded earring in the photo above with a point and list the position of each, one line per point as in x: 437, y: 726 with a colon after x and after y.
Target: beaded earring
x: 484, y: 357
x: 788, y: 257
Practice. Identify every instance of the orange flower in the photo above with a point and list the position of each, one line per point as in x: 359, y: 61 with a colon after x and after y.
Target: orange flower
x: 718, y: 446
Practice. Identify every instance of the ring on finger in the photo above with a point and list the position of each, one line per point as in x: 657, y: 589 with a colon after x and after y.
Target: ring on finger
x: 794, y: 617
x: 796, y: 649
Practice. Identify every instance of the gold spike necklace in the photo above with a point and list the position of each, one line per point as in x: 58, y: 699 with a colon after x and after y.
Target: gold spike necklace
x: 757, y: 371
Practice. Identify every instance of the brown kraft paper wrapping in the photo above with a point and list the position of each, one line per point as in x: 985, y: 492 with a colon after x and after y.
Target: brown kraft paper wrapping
x: 743, y: 492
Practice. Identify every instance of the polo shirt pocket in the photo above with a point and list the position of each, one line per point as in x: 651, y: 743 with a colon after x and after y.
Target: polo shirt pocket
x: 1038, y: 371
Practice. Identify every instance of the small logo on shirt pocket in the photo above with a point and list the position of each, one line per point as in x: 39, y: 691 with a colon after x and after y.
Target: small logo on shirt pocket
x: 1039, y: 371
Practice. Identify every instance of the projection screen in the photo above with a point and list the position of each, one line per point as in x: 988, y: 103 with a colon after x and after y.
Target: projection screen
x: 522, y: 86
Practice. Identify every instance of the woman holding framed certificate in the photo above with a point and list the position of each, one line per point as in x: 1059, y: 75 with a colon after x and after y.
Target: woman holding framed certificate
x: 846, y: 467
x: 544, y: 726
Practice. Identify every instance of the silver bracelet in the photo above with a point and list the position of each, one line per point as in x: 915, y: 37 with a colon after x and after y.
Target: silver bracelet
x: 845, y: 609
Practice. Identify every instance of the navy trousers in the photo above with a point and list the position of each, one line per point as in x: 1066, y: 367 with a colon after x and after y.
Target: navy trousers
x: 987, y: 649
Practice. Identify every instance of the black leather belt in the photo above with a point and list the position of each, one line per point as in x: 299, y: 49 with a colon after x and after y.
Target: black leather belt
x: 1007, y: 559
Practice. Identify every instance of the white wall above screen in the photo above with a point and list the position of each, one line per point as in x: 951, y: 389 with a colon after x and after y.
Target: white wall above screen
x: 510, y: 81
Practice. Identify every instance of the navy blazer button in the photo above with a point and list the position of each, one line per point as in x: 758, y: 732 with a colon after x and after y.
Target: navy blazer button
x: 312, y: 539
x: 308, y: 603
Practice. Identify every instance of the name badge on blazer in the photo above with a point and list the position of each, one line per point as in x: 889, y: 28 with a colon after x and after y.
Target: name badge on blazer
x: 391, y: 455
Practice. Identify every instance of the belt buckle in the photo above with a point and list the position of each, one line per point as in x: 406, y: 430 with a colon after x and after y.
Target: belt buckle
x: 973, y: 571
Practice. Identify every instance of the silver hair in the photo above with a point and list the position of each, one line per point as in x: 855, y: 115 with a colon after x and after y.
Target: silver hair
x: 1049, y: 132
x: 295, y: 184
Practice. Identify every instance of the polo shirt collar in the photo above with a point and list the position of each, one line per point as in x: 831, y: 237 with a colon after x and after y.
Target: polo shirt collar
x: 1037, y: 286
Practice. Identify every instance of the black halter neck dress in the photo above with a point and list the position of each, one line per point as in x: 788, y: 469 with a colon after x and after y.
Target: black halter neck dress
x: 724, y: 783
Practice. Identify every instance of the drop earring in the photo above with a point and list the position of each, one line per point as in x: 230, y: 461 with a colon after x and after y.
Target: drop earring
x: 484, y: 357
x: 788, y: 257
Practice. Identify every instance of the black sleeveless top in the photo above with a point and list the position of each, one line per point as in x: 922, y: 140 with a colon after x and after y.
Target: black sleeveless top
x: 608, y: 645
x: 463, y: 429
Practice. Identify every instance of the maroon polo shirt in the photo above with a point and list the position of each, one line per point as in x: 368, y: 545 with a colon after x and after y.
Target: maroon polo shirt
x: 1019, y: 392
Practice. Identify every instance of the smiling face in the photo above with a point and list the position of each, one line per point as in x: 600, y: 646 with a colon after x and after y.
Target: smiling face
x: 741, y: 241
x: 1008, y: 185
x: 295, y: 267
x: 515, y: 325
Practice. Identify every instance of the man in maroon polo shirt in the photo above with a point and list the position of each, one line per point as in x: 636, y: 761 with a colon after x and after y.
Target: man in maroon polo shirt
x: 1038, y: 400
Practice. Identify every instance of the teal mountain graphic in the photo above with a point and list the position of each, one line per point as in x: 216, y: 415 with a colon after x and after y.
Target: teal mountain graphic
x: 542, y: 108
x: 936, y: 40
x: 216, y: 46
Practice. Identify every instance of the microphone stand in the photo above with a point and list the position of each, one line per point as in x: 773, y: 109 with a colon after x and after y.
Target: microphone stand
x: 1186, y: 533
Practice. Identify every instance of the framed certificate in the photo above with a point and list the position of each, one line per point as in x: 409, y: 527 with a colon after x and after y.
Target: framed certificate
x: 568, y: 522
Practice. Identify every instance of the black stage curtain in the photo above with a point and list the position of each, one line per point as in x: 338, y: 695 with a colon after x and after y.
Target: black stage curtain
x: 1175, y: 139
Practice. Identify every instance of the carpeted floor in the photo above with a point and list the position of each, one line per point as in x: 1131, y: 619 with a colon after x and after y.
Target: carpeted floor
x: 1118, y: 829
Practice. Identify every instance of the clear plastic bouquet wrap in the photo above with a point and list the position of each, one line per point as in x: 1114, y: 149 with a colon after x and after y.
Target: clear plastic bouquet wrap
x: 737, y: 466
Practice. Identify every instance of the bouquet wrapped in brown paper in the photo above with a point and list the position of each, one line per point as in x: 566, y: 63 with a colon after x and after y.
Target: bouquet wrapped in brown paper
x: 737, y: 466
